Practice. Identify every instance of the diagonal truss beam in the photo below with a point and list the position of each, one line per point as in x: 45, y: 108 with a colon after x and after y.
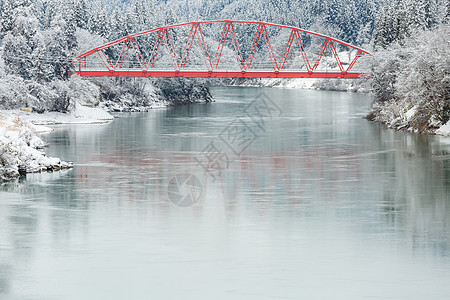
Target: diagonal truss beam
x: 336, y: 56
x: 273, y: 59
x: 105, y: 59
x: 156, y: 45
x: 228, y: 29
x: 287, y: 49
x: 170, y: 48
x: 358, y: 55
x: 303, y: 51
x: 321, y: 53
x: 196, y: 31
x: 254, y: 46
x: 222, y: 40
x: 204, y: 49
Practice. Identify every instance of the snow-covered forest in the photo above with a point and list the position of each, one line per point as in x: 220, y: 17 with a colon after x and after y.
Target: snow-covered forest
x: 411, y: 71
x: 40, y: 37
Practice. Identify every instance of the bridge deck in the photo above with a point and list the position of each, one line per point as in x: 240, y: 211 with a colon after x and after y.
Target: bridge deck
x: 217, y: 74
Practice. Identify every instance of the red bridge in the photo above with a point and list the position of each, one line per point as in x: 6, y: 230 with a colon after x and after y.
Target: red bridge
x: 197, y: 49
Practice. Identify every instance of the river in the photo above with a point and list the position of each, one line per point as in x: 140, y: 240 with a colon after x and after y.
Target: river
x: 264, y: 194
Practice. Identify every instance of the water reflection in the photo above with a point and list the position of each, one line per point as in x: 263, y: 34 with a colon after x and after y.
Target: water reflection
x: 320, y: 176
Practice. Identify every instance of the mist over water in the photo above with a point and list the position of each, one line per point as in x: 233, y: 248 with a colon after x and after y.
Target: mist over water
x: 315, y: 203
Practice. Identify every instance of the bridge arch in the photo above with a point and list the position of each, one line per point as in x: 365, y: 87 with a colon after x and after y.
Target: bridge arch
x: 165, y: 52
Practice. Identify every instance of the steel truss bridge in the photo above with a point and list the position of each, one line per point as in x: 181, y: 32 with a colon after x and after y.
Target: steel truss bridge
x: 197, y: 49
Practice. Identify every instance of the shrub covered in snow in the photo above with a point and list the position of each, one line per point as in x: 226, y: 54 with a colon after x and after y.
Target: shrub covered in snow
x: 411, y: 82
x: 57, y: 95
x: 181, y: 90
x: 14, y: 92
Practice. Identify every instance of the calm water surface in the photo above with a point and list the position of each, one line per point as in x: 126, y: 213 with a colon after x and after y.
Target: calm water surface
x: 319, y: 204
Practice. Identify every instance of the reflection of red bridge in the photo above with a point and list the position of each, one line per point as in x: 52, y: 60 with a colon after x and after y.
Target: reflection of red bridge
x: 186, y: 50
x: 261, y: 174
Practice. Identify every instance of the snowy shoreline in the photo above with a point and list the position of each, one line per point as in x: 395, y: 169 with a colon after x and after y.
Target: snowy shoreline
x: 21, y: 143
x: 399, y: 115
x: 80, y: 115
x: 394, y: 115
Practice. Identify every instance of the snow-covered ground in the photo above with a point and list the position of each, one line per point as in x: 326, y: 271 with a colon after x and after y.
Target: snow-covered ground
x: 444, y: 130
x: 19, y: 148
x: 20, y: 140
x: 79, y: 115
x: 345, y: 85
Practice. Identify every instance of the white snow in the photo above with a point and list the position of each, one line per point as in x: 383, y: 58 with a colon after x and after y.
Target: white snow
x: 444, y: 129
x: 79, y: 115
x: 410, y: 113
x: 19, y: 144
x: 20, y: 140
x: 41, y: 129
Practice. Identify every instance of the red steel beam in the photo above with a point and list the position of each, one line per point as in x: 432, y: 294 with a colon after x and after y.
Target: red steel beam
x: 154, y: 54
x: 138, y: 53
x: 237, y: 49
x: 287, y: 49
x: 354, y: 61
x: 218, y: 74
x: 171, y: 49
x: 336, y: 56
x: 187, y: 48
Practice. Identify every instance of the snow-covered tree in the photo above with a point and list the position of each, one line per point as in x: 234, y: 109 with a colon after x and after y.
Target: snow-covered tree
x: 398, y: 19
x: 424, y: 76
x: 80, y: 13
x: 8, y: 17
x: 413, y: 76
x: 98, y: 21
x: 18, y: 42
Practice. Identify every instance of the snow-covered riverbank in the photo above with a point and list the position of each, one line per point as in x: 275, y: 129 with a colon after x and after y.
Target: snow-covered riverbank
x: 79, y: 115
x: 20, y: 140
x: 20, y: 145
x: 402, y: 115
x: 344, y: 85
x: 411, y: 83
x: 399, y: 115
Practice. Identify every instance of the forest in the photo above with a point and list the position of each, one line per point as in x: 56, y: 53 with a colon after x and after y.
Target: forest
x: 39, y: 38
